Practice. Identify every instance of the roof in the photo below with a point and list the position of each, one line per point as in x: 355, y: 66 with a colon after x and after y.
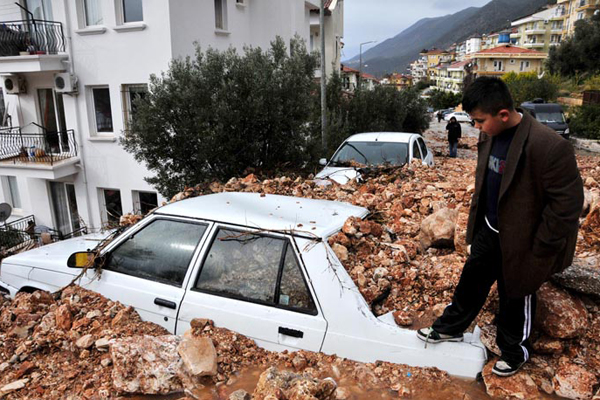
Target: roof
x: 369, y: 76
x: 398, y: 137
x: 459, y: 64
x: 507, y: 49
x: 435, y: 52
x: 306, y: 217
x: 348, y: 69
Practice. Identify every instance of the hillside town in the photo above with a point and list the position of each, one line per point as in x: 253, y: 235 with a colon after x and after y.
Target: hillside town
x: 212, y: 200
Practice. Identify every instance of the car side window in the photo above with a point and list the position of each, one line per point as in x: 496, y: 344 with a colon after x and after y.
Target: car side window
x: 161, y: 251
x: 256, y: 268
x: 293, y: 291
x: 423, y: 146
x: 416, y: 152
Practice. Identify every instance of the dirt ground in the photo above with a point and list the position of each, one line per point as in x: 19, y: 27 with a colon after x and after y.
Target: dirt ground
x: 45, y: 348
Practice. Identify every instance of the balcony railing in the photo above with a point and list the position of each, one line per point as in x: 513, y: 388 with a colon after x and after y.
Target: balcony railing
x: 31, y: 37
x: 23, y: 232
x: 49, y: 147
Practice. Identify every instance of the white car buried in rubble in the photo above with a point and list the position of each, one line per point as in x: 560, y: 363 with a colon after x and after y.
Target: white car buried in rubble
x: 258, y: 265
x: 374, y: 149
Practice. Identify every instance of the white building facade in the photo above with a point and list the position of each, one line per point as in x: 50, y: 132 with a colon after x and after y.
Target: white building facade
x: 70, y: 70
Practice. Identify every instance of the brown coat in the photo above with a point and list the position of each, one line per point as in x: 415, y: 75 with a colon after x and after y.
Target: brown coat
x: 541, y: 198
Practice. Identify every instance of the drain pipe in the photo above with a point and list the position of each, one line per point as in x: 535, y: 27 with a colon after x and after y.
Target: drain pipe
x: 71, y: 65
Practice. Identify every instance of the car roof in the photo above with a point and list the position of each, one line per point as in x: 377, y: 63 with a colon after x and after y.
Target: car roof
x: 542, y: 106
x: 399, y: 137
x: 305, y: 217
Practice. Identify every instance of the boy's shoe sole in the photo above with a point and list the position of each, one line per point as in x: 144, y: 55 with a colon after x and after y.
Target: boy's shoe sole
x: 502, y: 368
x: 430, y: 336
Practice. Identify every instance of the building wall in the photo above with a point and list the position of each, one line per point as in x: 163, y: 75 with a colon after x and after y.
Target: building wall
x: 110, y: 56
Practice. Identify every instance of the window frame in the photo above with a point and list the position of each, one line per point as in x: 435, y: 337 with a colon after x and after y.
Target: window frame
x: 138, y: 228
x: 126, y: 102
x: 120, y: 11
x: 81, y: 6
x: 93, y: 122
x: 137, y: 202
x: 102, y: 200
x: 7, y: 188
x: 224, y: 17
x: 287, y: 245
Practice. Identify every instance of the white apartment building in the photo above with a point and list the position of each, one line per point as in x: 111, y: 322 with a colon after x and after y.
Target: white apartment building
x: 70, y: 70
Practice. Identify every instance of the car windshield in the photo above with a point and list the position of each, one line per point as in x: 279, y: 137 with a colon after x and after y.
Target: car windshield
x: 551, y: 117
x: 371, y: 153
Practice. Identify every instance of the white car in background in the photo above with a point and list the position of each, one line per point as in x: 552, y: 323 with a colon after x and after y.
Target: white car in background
x: 459, y: 115
x: 257, y: 264
x: 374, y: 149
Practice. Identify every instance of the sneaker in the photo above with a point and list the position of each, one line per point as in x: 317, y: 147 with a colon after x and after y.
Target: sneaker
x: 503, y: 368
x: 429, y: 335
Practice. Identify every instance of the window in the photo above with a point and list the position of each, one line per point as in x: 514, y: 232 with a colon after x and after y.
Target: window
x: 416, y: 152
x: 131, y: 95
x: 423, y: 146
x: 579, y: 15
x: 4, y: 117
x: 144, y: 202
x: 112, y: 209
x: 161, y: 251
x: 257, y: 268
x: 524, y: 65
x: 64, y: 205
x: 102, y: 110
x: 132, y: 11
x: 221, y: 14
x: 41, y: 9
x: 11, y: 191
x: 92, y: 13
x: 240, y: 2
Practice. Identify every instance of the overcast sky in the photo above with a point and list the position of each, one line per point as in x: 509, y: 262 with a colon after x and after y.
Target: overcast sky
x: 367, y: 20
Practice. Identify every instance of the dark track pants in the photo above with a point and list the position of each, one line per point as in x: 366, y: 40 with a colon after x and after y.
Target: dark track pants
x: 482, y: 269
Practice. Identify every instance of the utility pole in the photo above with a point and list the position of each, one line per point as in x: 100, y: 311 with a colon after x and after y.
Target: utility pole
x: 323, y: 80
x: 360, y: 61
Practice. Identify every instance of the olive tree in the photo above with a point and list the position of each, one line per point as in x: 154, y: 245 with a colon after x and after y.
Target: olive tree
x: 214, y: 115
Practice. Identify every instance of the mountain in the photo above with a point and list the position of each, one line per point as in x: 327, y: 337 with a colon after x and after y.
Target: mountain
x: 395, y: 54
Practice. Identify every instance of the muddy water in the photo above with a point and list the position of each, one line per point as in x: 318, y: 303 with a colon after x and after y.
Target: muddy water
x: 247, y: 380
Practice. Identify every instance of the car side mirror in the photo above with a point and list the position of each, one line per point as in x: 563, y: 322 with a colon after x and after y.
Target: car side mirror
x: 323, y: 161
x: 82, y: 259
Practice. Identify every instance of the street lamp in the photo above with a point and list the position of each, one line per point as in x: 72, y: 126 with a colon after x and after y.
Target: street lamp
x: 360, y: 62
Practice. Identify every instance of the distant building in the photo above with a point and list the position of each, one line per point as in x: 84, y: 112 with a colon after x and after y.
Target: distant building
x: 418, y: 68
x: 400, y: 81
x: 502, y: 59
x: 349, y: 79
x: 472, y: 45
x: 454, y: 75
x: 575, y: 10
x: 539, y: 31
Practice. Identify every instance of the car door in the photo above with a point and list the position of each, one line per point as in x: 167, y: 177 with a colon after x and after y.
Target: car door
x: 148, y: 269
x: 254, y: 283
x: 426, y: 153
x: 415, y: 151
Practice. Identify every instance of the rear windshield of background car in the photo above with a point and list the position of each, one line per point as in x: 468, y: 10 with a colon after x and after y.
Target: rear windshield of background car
x: 371, y: 153
x: 550, y: 117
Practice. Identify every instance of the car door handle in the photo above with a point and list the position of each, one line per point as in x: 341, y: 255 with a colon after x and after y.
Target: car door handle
x: 165, y: 303
x: 291, y: 332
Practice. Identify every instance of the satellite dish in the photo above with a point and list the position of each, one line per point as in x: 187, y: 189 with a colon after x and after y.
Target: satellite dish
x: 5, y: 210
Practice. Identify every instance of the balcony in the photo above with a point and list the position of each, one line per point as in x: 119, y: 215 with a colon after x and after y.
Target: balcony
x: 48, y: 155
x: 536, y: 31
x: 31, y: 46
x: 533, y: 45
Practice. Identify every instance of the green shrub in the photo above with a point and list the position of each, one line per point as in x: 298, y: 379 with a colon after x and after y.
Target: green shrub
x: 585, y: 121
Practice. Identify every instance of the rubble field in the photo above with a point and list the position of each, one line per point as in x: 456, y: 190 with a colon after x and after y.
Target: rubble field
x: 405, y: 257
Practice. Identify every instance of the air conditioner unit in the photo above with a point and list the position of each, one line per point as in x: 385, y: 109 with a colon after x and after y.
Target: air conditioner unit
x: 14, y: 84
x: 65, y: 83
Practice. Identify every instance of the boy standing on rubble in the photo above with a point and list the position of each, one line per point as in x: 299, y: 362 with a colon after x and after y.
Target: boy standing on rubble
x: 522, y: 225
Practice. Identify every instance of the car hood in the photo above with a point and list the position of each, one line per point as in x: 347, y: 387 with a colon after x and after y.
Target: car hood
x: 54, y: 256
x: 339, y: 174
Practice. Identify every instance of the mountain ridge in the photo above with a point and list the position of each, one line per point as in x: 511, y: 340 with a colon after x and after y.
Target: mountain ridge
x: 395, y: 54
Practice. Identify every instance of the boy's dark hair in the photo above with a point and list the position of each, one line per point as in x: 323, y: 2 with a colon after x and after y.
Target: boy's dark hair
x: 488, y: 95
